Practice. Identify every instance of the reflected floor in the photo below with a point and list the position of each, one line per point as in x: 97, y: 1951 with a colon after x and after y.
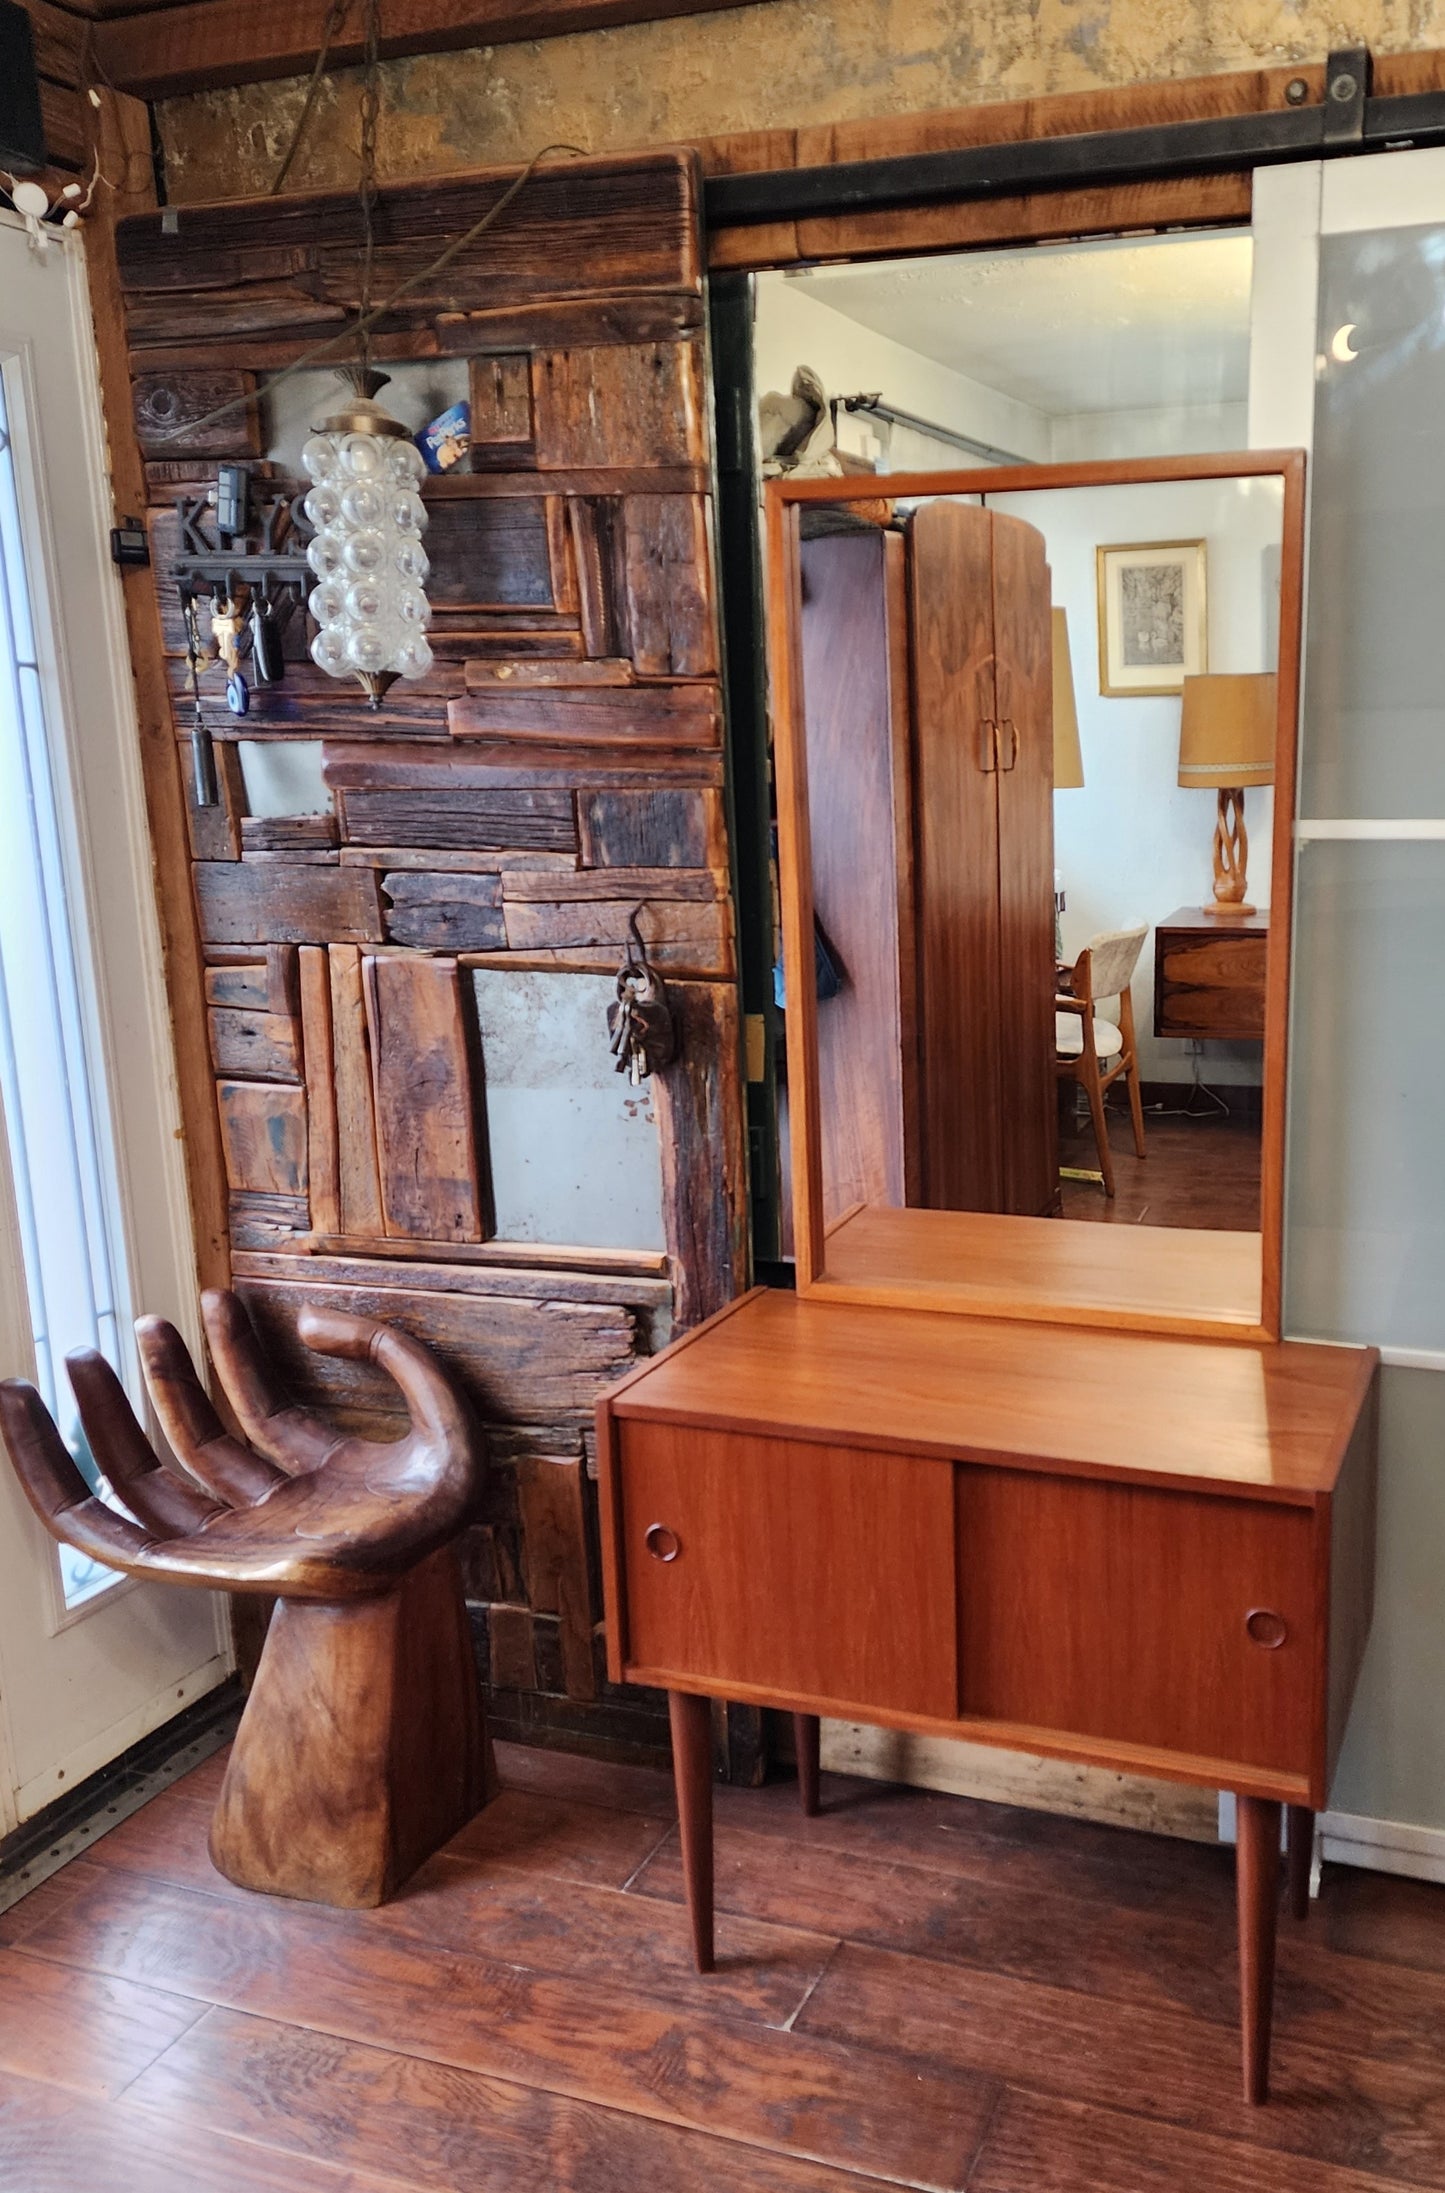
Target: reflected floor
x: 1198, y: 1172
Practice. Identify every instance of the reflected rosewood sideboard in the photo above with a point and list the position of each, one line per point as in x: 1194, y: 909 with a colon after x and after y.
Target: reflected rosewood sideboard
x: 1144, y: 1553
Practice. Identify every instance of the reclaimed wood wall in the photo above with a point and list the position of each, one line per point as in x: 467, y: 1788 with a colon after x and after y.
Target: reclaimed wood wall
x: 561, y: 764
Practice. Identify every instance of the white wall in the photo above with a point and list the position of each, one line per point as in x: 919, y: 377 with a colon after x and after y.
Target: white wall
x: 794, y: 328
x: 1133, y: 845
x: 1179, y: 430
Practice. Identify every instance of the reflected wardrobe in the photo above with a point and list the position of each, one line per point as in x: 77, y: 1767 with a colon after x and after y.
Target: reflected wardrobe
x: 927, y: 679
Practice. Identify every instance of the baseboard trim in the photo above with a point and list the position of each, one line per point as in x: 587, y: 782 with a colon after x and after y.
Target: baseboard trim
x: 1383, y: 1846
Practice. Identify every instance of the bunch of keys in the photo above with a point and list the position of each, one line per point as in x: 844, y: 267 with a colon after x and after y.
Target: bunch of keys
x: 228, y: 615
x: 641, y: 1024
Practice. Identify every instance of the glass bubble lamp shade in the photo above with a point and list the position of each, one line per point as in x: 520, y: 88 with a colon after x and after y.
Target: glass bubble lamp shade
x: 368, y: 601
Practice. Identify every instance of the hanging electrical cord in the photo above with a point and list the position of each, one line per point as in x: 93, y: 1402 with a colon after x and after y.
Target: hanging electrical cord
x: 359, y: 328
x: 335, y: 16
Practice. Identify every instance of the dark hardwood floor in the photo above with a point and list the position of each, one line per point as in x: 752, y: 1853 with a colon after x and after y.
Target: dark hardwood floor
x: 914, y: 1990
x: 1199, y: 1171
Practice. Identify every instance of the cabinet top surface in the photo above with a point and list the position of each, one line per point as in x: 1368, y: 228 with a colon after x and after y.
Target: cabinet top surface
x: 1217, y: 925
x: 1273, y: 1418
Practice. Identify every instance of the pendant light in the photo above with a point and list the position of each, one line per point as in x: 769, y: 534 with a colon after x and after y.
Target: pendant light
x: 369, y: 604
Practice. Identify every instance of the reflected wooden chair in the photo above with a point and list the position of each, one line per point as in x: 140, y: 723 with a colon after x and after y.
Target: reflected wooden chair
x: 362, y: 1747
x: 1094, y: 1051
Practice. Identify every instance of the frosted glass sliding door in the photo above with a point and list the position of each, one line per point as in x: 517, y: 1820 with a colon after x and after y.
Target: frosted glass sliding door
x: 1365, y: 1197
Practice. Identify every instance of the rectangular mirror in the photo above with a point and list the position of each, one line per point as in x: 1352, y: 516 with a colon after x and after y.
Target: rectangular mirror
x: 1033, y: 726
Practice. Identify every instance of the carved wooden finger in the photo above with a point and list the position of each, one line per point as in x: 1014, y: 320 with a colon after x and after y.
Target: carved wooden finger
x: 190, y: 1423
x: 55, y: 1488
x: 440, y: 1418
x: 293, y: 1438
x: 161, y: 1499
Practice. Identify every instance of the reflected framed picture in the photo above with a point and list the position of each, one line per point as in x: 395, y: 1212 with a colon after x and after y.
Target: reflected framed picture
x: 1152, y: 623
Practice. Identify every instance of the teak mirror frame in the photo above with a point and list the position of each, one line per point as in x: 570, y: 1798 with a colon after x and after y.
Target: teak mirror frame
x: 896, y: 1280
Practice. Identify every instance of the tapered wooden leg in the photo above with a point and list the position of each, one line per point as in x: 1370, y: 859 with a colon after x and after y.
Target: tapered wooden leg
x: 1095, y: 1096
x: 1300, y: 1841
x: 1257, y: 1888
x: 691, y: 1720
x: 362, y: 1748
x: 806, y: 1732
x: 1136, y: 1109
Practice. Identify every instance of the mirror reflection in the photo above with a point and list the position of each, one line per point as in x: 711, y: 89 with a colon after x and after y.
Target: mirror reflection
x: 1040, y: 739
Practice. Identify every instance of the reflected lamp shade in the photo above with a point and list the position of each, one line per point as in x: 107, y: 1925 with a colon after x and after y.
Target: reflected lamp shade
x: 1226, y: 741
x: 1068, y: 760
x: 1226, y: 730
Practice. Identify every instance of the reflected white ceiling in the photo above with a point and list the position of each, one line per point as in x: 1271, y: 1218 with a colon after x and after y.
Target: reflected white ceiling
x: 1122, y: 325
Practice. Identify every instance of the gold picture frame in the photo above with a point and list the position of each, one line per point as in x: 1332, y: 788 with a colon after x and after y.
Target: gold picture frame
x: 1153, y: 628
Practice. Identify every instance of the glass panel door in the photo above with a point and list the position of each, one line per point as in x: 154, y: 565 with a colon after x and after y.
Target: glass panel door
x: 93, y: 1213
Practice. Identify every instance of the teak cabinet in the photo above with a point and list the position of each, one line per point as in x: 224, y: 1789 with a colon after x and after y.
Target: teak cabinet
x: 1144, y: 1553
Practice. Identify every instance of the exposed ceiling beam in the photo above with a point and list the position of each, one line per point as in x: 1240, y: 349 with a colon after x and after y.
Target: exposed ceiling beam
x: 206, y: 43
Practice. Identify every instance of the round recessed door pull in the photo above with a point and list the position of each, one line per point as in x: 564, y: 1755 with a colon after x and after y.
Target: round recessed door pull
x: 661, y: 1543
x: 1266, y: 1628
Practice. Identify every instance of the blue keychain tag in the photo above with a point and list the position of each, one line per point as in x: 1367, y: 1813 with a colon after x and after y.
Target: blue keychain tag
x: 238, y: 694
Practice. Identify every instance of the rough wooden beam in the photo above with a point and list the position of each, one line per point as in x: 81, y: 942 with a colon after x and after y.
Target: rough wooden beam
x: 213, y: 42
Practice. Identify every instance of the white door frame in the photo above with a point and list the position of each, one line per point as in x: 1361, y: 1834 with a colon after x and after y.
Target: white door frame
x: 90, y: 706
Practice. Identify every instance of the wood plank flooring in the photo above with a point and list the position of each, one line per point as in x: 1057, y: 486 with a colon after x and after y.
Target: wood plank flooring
x: 912, y: 1989
x: 1199, y: 1171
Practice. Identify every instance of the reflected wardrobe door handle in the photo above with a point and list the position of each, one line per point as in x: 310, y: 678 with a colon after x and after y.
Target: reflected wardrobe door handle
x: 661, y: 1543
x: 988, y: 746
x: 1012, y: 747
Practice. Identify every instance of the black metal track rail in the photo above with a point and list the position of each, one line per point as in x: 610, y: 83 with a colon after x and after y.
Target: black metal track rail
x: 1349, y: 120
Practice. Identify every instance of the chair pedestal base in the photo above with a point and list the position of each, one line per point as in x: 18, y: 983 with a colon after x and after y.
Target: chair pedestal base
x: 362, y: 1748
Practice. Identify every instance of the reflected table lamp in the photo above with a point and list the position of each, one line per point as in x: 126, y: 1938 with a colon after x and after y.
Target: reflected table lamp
x: 1226, y: 741
x: 1068, y: 761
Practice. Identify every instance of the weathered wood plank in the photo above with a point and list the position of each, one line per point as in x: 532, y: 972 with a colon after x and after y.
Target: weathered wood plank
x: 703, y: 884
x: 606, y: 715
x: 323, y: 1156
x: 460, y: 817
x: 435, y: 859
x: 501, y: 400
x: 671, y: 619
x: 520, y: 1361
x: 289, y: 833
x: 488, y: 554
x: 170, y: 406
x: 421, y: 1076
x: 651, y: 829
x: 618, y: 225
x: 262, y: 1045
x: 245, y: 986
x: 360, y: 1185
x: 682, y: 935
x: 619, y: 404
x: 263, y: 1134
x: 260, y: 1221
x: 702, y: 1137
x: 438, y: 911
x: 633, y: 1278
x: 552, y: 1497
x: 510, y: 677
x: 499, y: 766
x: 245, y: 903
x: 253, y: 308
x: 597, y: 481
x: 569, y: 323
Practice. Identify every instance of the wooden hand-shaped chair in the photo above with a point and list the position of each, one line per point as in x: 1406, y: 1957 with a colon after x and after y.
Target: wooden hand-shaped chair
x: 362, y: 1747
